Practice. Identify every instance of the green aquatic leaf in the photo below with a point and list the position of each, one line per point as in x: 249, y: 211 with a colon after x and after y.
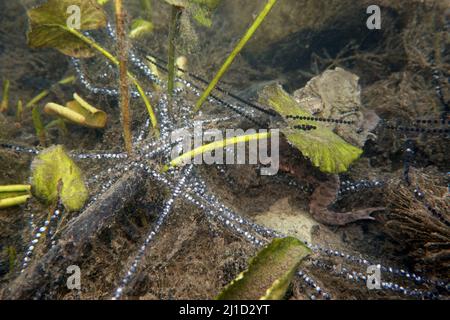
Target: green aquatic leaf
x: 139, y: 28
x: 49, y: 26
x: 79, y: 112
x: 269, y: 273
x: 202, y: 15
x: 94, y: 118
x: 200, y: 10
x: 325, y: 149
x: 53, y: 173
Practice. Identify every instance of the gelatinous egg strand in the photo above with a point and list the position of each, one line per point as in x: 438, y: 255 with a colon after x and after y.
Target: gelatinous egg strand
x: 162, y: 217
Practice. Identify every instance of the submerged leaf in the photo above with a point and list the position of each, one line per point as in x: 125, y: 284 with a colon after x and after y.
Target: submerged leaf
x: 326, y: 150
x: 94, y: 117
x: 50, y: 27
x: 199, y: 10
x: 80, y: 112
x: 53, y: 172
x: 140, y: 27
x: 269, y: 273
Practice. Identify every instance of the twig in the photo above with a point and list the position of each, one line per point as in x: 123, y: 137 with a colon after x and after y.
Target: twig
x: 124, y: 90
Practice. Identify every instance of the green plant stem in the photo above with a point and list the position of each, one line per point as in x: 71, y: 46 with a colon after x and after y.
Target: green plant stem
x: 45, y: 93
x: 12, y: 254
x: 123, y: 78
x: 146, y: 6
x: 215, y: 145
x: 38, y: 125
x: 19, y: 111
x: 174, y: 20
x: 60, y: 124
x: 13, y: 201
x: 65, y: 113
x: 5, y: 97
x: 262, y: 15
x: 15, y: 188
x: 115, y: 61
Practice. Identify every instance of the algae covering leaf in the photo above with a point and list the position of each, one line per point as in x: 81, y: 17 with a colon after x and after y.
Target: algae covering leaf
x: 139, y: 28
x: 269, y: 273
x: 53, y: 172
x: 325, y: 149
x: 52, y: 23
x: 200, y: 10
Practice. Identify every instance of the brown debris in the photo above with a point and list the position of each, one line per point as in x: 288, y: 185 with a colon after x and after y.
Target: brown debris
x: 424, y: 236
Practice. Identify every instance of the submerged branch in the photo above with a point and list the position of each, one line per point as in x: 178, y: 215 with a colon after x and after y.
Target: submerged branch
x: 49, y: 270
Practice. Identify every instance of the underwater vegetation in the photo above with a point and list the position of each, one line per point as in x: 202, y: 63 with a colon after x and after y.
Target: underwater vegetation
x: 114, y: 200
x: 273, y: 268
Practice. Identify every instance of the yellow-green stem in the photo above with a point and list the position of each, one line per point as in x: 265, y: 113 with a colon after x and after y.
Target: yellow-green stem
x: 45, y: 93
x: 66, y: 113
x: 215, y: 145
x: 38, y: 125
x: 12, y: 254
x: 146, y: 6
x: 5, y: 97
x: 262, y: 15
x: 15, y: 188
x: 19, y: 111
x: 13, y: 201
